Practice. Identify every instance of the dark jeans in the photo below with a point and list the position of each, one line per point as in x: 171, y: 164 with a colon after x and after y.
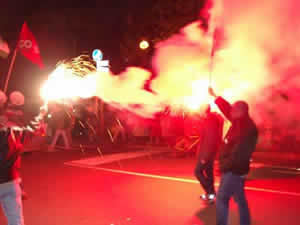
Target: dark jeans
x: 232, y: 185
x: 205, y: 174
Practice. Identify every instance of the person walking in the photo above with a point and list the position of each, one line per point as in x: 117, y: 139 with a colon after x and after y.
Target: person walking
x: 61, y: 123
x: 10, y: 180
x: 239, y: 144
x: 211, y: 138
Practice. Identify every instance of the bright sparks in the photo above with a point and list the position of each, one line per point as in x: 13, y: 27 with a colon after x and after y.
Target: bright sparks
x: 63, y: 84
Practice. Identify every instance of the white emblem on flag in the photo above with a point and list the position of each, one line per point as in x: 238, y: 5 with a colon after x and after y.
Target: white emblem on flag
x: 25, y: 44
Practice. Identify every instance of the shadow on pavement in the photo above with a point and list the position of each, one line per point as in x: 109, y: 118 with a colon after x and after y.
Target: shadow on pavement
x: 207, y: 216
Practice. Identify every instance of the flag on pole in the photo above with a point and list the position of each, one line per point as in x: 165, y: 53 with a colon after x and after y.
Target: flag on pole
x: 218, y: 39
x: 29, y: 47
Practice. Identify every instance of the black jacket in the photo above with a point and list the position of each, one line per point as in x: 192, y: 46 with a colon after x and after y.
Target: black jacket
x: 239, y: 143
x: 9, y: 157
x: 211, y: 137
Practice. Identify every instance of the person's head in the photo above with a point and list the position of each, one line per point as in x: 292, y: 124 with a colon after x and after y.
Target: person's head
x: 239, y: 110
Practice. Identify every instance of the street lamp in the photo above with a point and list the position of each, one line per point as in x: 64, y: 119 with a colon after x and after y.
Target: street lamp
x: 144, y: 45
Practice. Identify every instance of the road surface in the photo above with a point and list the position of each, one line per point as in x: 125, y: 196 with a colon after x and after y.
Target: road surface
x: 149, y: 189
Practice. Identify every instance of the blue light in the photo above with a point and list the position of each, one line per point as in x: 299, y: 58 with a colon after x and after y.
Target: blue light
x: 97, y: 55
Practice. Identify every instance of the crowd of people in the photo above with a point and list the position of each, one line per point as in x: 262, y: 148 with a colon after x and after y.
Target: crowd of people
x: 234, y: 150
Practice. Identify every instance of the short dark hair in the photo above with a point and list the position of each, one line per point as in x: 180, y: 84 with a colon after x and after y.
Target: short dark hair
x: 243, y: 105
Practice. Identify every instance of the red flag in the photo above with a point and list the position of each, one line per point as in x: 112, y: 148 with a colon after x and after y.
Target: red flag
x: 218, y: 39
x: 29, y: 47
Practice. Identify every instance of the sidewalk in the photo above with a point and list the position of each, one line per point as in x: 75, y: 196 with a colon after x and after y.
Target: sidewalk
x: 286, y: 159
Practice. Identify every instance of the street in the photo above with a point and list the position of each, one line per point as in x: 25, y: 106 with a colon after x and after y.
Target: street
x: 145, y: 188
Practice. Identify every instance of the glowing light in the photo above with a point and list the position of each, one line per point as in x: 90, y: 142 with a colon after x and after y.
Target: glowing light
x: 97, y: 55
x: 62, y: 84
x: 199, y: 95
x: 144, y: 44
x: 192, y: 103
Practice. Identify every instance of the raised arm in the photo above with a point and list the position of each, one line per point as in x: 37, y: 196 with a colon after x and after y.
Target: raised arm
x: 30, y: 126
x: 222, y: 104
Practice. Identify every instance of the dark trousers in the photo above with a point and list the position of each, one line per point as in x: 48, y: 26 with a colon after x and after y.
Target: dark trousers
x: 232, y: 185
x: 205, y: 174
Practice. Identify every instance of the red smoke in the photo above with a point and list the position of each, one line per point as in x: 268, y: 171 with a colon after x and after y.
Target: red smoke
x: 256, y: 59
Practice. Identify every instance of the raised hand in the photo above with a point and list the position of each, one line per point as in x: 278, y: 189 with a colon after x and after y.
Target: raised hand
x: 212, y: 92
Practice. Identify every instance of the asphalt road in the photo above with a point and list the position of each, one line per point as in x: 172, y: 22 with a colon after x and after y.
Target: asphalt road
x: 148, y: 190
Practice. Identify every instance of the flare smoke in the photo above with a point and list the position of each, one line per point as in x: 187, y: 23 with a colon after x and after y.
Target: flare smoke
x: 257, y: 61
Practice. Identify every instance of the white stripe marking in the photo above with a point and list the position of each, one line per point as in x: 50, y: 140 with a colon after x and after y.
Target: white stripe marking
x: 95, y: 161
x: 185, y: 180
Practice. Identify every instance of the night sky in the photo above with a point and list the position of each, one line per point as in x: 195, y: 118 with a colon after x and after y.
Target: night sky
x: 88, y: 19
x: 63, y: 29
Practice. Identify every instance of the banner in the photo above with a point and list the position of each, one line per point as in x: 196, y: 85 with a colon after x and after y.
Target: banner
x: 29, y: 47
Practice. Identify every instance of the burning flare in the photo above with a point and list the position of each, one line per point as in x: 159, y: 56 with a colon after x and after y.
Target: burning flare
x: 256, y: 53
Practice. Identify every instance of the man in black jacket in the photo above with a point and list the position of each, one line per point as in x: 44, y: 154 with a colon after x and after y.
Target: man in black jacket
x: 211, y: 138
x: 235, y: 155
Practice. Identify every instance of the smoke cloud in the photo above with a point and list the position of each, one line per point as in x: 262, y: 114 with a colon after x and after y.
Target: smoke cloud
x: 257, y: 61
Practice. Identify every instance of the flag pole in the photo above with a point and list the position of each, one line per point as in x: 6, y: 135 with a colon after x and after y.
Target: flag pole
x: 212, y: 54
x: 10, y: 70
